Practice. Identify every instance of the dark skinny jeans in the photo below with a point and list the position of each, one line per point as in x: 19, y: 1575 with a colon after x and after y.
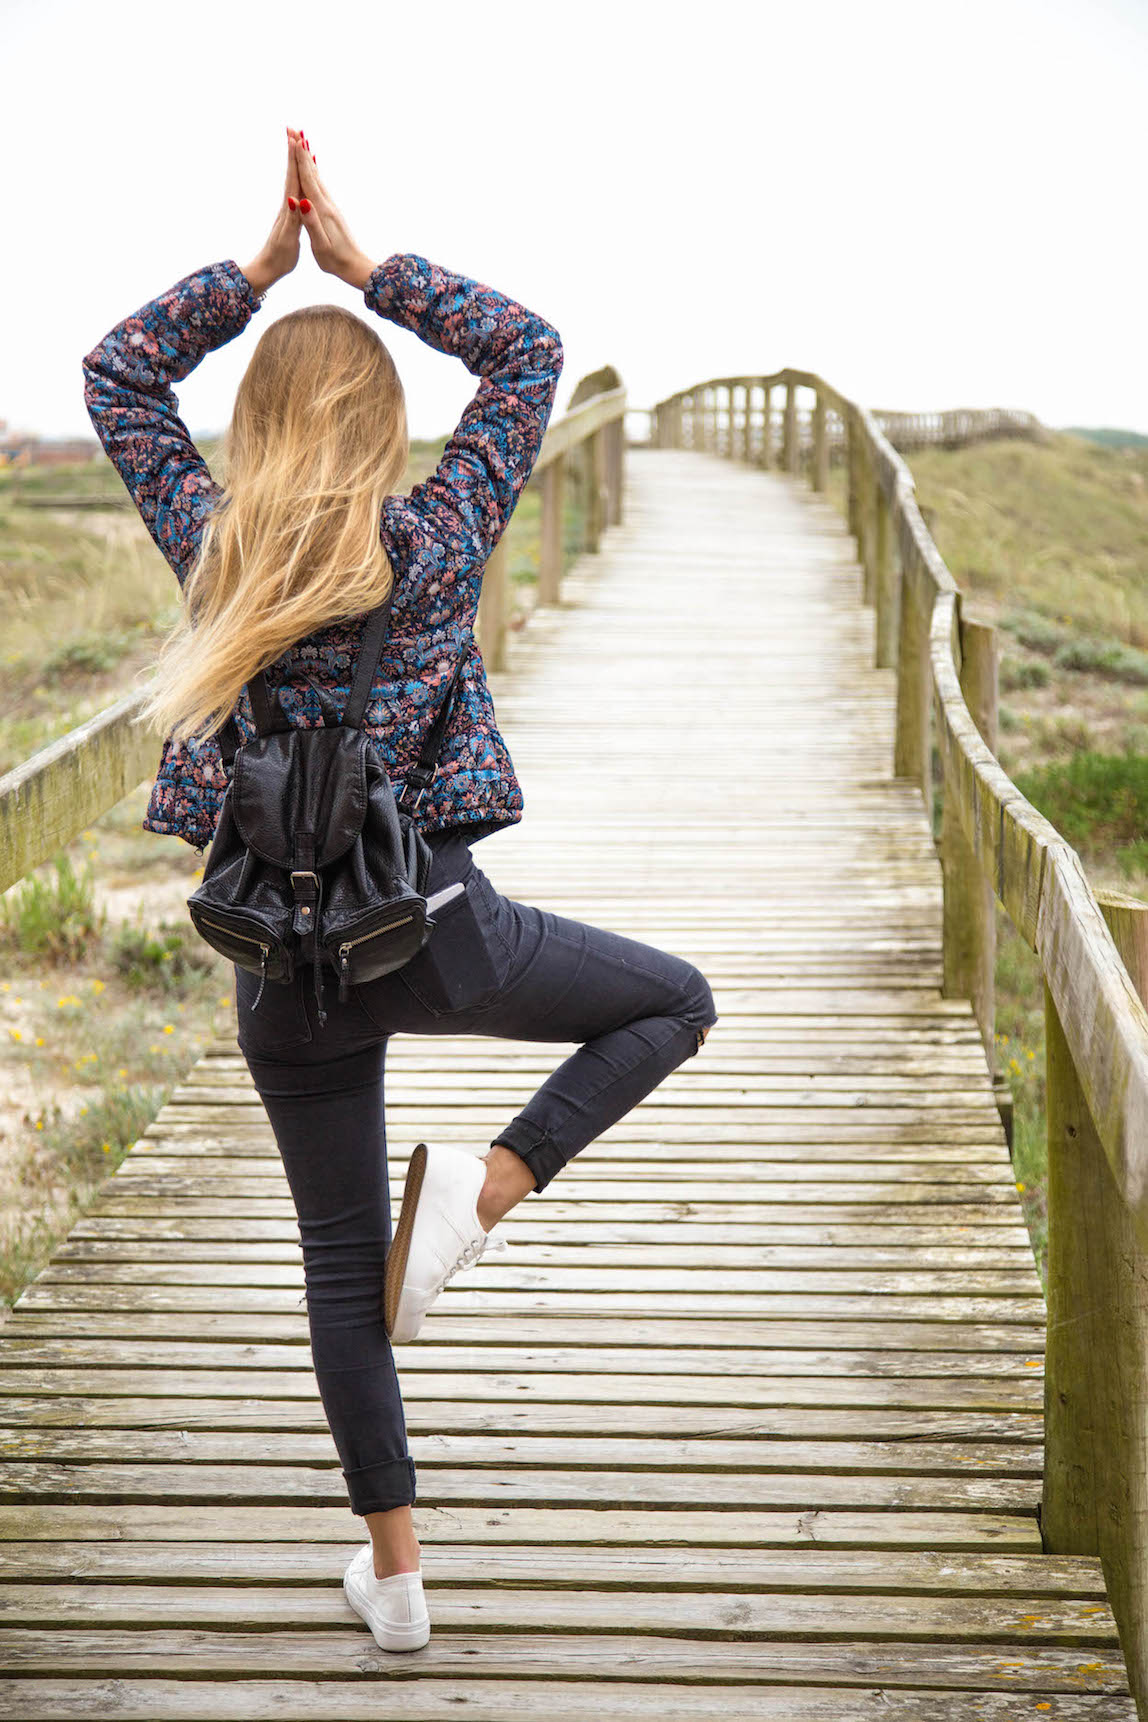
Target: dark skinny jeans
x: 492, y: 966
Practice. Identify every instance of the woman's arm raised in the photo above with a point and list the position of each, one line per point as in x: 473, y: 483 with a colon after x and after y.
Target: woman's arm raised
x: 470, y: 496
x: 128, y: 378
x: 134, y: 411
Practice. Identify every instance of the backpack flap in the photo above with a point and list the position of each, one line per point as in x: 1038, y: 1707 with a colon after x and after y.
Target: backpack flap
x: 301, y: 782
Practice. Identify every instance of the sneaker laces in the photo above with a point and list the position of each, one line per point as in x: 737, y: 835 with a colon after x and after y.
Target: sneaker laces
x: 488, y: 1242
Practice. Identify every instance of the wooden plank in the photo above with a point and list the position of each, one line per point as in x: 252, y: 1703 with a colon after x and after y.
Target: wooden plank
x: 760, y: 1455
x: 558, y: 1528
x: 1046, y: 1672
x: 1084, y: 1623
x: 426, y: 1700
x: 32, y: 1481
x: 785, y: 1571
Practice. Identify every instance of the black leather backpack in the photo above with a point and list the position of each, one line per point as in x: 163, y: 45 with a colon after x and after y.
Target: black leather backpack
x: 313, y: 860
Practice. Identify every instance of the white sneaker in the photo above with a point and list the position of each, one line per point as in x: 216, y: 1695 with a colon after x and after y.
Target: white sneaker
x: 437, y: 1234
x: 394, y: 1608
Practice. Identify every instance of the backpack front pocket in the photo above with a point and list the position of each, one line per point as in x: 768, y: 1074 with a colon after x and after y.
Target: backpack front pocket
x: 243, y: 940
x: 374, y: 945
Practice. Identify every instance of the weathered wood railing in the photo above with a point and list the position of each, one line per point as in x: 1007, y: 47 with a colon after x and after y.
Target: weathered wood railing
x: 62, y: 789
x: 1093, y: 950
x: 737, y: 415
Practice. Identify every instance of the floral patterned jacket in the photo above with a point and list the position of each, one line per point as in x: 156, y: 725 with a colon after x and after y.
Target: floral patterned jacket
x: 438, y: 538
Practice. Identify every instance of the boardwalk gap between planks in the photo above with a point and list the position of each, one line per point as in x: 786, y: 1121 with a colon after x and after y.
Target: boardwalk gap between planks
x: 748, y: 1423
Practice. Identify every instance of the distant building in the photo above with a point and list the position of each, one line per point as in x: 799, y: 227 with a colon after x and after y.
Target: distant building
x: 25, y: 448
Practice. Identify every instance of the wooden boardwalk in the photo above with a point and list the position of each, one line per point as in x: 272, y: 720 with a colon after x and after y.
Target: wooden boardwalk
x: 748, y: 1422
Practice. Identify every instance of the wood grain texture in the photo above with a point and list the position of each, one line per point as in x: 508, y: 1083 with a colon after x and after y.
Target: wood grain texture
x: 749, y: 1420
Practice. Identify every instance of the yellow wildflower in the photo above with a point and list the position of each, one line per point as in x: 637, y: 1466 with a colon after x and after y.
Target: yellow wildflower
x: 168, y: 1028
x: 1021, y: 1186
x: 15, y: 1033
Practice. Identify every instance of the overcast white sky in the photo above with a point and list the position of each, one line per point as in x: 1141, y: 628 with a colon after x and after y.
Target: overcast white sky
x: 930, y: 204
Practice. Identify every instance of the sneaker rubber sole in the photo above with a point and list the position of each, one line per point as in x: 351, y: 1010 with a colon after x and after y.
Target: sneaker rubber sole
x: 396, y: 1263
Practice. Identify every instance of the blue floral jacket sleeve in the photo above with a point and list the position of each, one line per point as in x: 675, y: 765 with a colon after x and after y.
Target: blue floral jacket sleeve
x: 469, y: 498
x: 466, y: 503
x: 132, y: 406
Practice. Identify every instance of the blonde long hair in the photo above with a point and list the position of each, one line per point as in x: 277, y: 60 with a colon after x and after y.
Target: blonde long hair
x: 318, y: 438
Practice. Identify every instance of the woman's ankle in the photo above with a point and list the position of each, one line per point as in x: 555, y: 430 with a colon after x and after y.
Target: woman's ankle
x: 508, y: 1179
x: 393, y: 1542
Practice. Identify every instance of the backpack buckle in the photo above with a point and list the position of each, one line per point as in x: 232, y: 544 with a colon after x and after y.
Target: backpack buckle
x: 420, y: 777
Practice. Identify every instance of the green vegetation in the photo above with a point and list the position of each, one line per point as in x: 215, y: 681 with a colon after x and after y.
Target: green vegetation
x: 46, y: 916
x: 1097, y: 801
x: 1109, y: 436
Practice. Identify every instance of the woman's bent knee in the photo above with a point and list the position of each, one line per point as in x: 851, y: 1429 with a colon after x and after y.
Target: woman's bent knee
x: 700, y: 1012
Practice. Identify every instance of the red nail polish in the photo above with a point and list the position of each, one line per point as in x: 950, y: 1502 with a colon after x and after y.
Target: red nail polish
x: 291, y: 203
x: 305, y: 205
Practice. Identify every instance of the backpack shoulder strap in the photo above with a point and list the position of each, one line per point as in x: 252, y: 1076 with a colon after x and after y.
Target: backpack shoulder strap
x: 227, y: 734
x: 374, y: 634
x: 425, y: 767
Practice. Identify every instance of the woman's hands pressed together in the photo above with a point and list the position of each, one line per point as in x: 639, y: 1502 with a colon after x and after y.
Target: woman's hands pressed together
x: 307, y: 203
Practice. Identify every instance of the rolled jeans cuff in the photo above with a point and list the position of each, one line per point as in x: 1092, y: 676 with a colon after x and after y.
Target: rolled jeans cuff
x: 378, y: 1488
x: 539, y: 1150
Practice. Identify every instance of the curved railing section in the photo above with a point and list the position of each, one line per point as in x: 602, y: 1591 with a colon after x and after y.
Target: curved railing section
x: 1092, y: 947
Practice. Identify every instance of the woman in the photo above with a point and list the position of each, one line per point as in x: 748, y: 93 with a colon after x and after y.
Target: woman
x: 278, y: 568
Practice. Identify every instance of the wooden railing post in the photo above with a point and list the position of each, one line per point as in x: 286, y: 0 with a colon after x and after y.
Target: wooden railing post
x: 490, y: 622
x: 911, y: 752
x: 969, y: 912
x: 595, y: 511
x: 789, y: 444
x: 886, y: 586
x: 867, y: 521
x: 617, y: 468
x: 552, y: 547
x: 731, y: 415
x: 747, y: 429
x: 820, y: 445
x: 767, y: 428
x: 852, y: 447
x: 1095, y: 1498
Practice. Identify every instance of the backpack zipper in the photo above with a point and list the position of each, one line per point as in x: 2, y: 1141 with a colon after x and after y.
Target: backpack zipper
x: 349, y: 944
x: 248, y: 938
x: 234, y: 933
